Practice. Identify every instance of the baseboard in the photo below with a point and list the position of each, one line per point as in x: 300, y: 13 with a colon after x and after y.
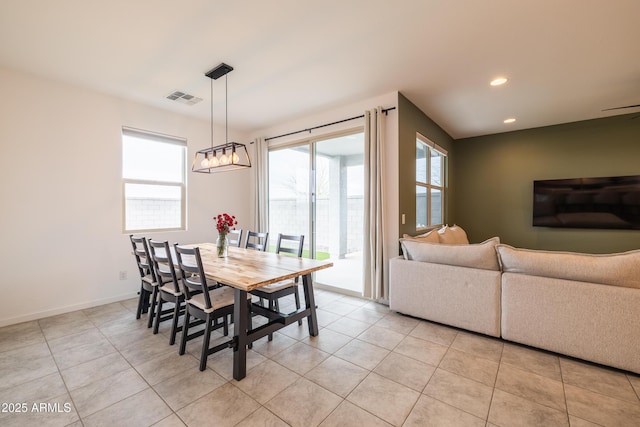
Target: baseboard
x: 63, y: 310
x: 337, y: 290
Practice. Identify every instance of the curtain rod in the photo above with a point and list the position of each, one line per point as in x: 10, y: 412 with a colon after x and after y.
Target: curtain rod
x: 384, y: 110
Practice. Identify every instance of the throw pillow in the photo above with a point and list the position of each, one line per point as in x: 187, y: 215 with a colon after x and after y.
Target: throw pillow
x: 619, y: 269
x: 479, y: 255
x: 453, y: 235
x: 431, y: 237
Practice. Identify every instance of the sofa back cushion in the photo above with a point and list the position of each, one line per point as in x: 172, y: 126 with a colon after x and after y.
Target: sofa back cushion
x: 479, y: 255
x: 619, y: 269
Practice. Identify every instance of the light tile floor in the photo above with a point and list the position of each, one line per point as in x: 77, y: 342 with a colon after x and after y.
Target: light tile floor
x: 367, y: 367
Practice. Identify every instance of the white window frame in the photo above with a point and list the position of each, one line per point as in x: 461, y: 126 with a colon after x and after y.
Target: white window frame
x: 165, y: 139
x: 428, y: 185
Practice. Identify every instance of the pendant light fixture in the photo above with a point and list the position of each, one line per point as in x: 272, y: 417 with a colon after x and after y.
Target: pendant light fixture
x: 227, y: 156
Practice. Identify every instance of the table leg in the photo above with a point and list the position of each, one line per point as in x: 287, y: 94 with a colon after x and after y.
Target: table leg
x: 240, y: 334
x: 310, y: 303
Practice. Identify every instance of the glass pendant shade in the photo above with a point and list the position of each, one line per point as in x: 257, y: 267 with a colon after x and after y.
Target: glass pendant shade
x: 225, y: 157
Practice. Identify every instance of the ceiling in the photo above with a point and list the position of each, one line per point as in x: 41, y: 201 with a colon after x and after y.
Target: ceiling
x: 565, y: 60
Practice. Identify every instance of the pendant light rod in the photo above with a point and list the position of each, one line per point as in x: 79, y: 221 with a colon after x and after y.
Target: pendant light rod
x: 211, y: 109
x: 214, y: 74
x: 226, y: 110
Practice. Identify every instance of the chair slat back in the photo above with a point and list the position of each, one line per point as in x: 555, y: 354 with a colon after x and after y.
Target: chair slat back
x: 193, y: 277
x: 261, y: 241
x: 297, y: 251
x: 163, y: 263
x: 286, y: 238
x: 143, y: 257
x: 235, y: 238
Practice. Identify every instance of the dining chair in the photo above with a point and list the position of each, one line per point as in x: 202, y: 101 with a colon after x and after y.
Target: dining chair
x: 291, y: 244
x: 235, y: 238
x: 169, y: 291
x: 260, y: 243
x: 148, y: 283
x: 203, y: 303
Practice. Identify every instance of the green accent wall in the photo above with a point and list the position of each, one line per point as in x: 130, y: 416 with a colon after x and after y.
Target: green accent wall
x: 411, y: 120
x: 494, y: 177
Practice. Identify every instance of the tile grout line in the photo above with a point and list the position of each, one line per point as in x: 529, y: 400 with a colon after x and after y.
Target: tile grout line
x: 564, y: 392
x: 149, y: 386
x: 59, y: 371
x: 420, y: 393
x: 343, y: 399
x: 471, y: 379
x: 493, y: 389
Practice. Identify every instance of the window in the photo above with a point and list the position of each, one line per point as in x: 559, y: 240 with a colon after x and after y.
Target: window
x: 153, y: 172
x: 430, y: 183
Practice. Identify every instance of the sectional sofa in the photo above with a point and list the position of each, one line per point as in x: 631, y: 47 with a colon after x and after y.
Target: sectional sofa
x: 581, y: 305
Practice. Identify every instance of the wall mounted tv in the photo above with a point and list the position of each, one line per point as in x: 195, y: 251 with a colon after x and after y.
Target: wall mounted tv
x: 609, y: 202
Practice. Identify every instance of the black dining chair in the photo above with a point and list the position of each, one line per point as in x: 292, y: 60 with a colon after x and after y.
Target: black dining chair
x: 257, y: 241
x: 170, y: 290
x: 290, y: 244
x: 235, y: 238
x: 203, y: 303
x: 148, y: 283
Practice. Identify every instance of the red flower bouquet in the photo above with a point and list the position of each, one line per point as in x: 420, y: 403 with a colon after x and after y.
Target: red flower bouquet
x: 224, y: 223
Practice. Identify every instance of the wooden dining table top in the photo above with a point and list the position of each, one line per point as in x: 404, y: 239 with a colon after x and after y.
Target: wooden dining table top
x: 248, y: 269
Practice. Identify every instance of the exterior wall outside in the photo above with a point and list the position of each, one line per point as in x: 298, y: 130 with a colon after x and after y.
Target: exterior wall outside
x: 436, y: 205
x: 288, y: 217
x: 142, y: 213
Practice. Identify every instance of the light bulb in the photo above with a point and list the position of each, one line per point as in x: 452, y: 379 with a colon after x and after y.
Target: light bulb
x: 224, y: 159
x: 204, y: 163
x: 214, y: 162
x: 498, y: 81
x: 235, y: 158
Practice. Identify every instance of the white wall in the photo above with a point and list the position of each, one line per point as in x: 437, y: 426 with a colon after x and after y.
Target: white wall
x: 61, y: 190
x: 391, y: 149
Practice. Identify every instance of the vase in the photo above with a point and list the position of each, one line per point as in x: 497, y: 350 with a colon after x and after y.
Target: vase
x: 222, y: 244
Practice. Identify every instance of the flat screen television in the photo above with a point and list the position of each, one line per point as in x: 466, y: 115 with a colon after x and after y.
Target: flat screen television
x: 608, y: 202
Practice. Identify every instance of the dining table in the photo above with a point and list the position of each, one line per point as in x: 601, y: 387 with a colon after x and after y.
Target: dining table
x: 245, y: 270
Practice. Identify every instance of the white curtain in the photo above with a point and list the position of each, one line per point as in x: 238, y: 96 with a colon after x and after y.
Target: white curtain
x: 261, y: 204
x: 374, y: 269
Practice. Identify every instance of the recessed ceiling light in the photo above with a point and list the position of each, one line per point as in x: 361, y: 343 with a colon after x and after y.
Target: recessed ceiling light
x: 511, y: 120
x: 498, y: 81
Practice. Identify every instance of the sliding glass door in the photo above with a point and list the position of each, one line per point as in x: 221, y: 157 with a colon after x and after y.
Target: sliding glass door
x: 317, y: 189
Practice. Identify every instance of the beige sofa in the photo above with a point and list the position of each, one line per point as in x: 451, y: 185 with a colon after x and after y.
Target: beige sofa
x: 580, y: 305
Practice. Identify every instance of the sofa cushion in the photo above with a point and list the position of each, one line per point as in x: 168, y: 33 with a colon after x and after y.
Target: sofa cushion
x: 454, y: 235
x: 479, y: 255
x: 619, y: 269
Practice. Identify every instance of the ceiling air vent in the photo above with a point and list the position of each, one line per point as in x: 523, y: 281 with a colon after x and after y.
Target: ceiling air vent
x: 183, y: 98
